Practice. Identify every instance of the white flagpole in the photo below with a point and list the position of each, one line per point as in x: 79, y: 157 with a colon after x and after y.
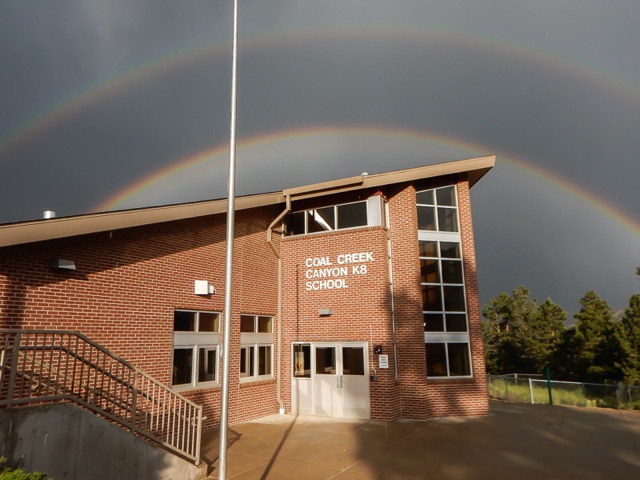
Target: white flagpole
x: 231, y: 200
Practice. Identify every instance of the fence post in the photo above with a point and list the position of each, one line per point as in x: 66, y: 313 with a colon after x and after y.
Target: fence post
x: 531, y: 391
x: 134, y: 402
x: 549, y: 385
x: 14, y: 368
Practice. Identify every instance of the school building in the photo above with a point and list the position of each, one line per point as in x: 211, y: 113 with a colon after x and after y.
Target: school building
x: 351, y: 298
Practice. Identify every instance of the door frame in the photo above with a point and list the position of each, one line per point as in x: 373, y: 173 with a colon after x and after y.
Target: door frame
x: 304, y: 389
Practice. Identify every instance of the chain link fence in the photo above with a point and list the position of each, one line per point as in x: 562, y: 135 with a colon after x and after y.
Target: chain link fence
x: 526, y: 388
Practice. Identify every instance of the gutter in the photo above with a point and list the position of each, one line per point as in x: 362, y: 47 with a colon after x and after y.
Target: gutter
x: 277, y: 220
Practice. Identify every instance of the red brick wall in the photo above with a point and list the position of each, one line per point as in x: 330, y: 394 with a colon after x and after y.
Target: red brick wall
x: 423, y: 398
x: 129, y: 282
x: 366, y: 307
x: 412, y: 371
x: 361, y: 312
x: 465, y: 397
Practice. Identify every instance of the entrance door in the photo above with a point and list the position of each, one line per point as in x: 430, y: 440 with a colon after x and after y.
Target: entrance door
x: 340, y: 380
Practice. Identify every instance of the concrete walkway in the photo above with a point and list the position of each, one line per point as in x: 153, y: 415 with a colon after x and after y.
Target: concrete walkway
x: 516, y: 441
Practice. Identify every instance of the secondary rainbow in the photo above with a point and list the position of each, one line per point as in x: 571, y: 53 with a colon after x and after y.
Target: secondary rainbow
x: 69, y: 106
x: 209, y: 155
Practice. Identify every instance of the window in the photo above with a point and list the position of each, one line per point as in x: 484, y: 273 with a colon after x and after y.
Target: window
x: 256, y: 347
x: 336, y: 217
x: 196, y: 336
x: 438, y: 210
x: 302, y: 360
x: 446, y: 332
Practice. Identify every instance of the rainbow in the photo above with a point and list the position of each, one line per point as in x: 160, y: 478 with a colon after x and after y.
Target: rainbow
x: 190, y: 167
x: 69, y: 106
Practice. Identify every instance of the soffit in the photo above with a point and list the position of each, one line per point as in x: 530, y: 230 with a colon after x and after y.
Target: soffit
x: 47, y: 229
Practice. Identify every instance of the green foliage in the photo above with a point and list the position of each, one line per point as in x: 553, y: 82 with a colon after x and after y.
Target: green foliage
x: 598, y: 339
x: 8, y: 473
x: 629, y: 332
x: 519, y: 335
x: 522, y: 336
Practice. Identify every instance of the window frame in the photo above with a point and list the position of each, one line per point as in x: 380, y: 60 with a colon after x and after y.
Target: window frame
x: 374, y: 211
x: 444, y: 337
x: 195, y: 340
x: 254, y: 341
x: 437, y: 208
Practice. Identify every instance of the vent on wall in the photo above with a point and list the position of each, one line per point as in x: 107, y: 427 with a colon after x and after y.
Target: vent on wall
x: 60, y: 264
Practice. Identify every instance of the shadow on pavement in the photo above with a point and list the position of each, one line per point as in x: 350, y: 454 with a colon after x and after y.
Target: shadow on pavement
x: 515, y: 441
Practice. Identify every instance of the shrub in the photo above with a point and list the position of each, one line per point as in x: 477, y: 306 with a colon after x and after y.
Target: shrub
x: 8, y: 473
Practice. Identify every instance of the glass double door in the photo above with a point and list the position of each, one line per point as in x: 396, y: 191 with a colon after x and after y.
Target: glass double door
x: 340, y: 379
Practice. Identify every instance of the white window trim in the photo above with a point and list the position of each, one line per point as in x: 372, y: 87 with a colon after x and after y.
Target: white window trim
x: 447, y: 337
x: 374, y: 208
x: 436, y: 206
x: 448, y: 376
x: 257, y: 340
x: 184, y: 340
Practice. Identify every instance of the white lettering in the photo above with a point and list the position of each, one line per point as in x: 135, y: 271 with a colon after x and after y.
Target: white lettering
x: 360, y: 257
x: 322, y: 268
x: 317, y: 262
x: 326, y: 284
x: 359, y: 269
x: 327, y: 272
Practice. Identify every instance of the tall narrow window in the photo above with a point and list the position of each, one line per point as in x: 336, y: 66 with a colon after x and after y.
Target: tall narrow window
x: 446, y: 331
x: 256, y: 347
x: 195, y: 349
x: 302, y: 360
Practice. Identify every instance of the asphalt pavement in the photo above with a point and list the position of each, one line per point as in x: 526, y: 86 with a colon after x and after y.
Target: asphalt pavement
x: 515, y: 441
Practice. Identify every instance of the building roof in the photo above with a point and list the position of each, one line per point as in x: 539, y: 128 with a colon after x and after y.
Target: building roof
x: 48, y: 229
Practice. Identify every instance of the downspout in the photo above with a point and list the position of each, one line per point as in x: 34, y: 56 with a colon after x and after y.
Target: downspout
x: 280, y: 300
x: 391, y: 294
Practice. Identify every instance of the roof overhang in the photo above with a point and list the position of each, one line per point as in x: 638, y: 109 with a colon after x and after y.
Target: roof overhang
x: 49, y: 229
x: 474, y: 168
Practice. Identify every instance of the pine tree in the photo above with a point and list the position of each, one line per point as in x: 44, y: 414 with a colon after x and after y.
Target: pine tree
x: 597, y: 339
x: 629, y: 328
x: 547, y: 333
x: 513, y: 332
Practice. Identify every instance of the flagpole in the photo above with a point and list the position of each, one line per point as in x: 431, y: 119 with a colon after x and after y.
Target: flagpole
x: 231, y: 187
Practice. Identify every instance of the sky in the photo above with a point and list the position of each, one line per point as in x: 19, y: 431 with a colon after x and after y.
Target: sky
x: 114, y: 104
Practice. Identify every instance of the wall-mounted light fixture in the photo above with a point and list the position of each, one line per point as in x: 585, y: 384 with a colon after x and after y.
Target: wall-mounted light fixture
x: 202, y: 287
x: 60, y: 264
x: 325, y: 312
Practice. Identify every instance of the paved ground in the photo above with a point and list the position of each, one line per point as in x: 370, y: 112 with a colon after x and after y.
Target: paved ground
x: 516, y: 441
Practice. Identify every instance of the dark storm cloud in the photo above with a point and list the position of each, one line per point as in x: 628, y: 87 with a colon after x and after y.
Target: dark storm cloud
x: 541, y: 82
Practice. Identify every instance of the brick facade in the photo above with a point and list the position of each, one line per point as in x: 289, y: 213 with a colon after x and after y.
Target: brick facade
x: 128, y: 283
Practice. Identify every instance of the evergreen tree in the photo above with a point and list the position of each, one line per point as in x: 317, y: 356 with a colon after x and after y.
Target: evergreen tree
x: 597, y: 338
x: 520, y: 336
x: 565, y: 362
x: 629, y: 328
x: 547, y: 333
x: 495, y: 332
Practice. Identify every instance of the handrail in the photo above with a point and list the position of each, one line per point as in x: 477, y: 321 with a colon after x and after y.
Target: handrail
x: 51, y: 366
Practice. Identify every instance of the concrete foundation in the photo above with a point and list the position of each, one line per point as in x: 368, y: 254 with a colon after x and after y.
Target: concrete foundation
x: 67, y: 442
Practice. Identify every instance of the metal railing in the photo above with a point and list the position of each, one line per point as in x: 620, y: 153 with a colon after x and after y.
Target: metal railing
x: 526, y: 389
x: 50, y: 366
